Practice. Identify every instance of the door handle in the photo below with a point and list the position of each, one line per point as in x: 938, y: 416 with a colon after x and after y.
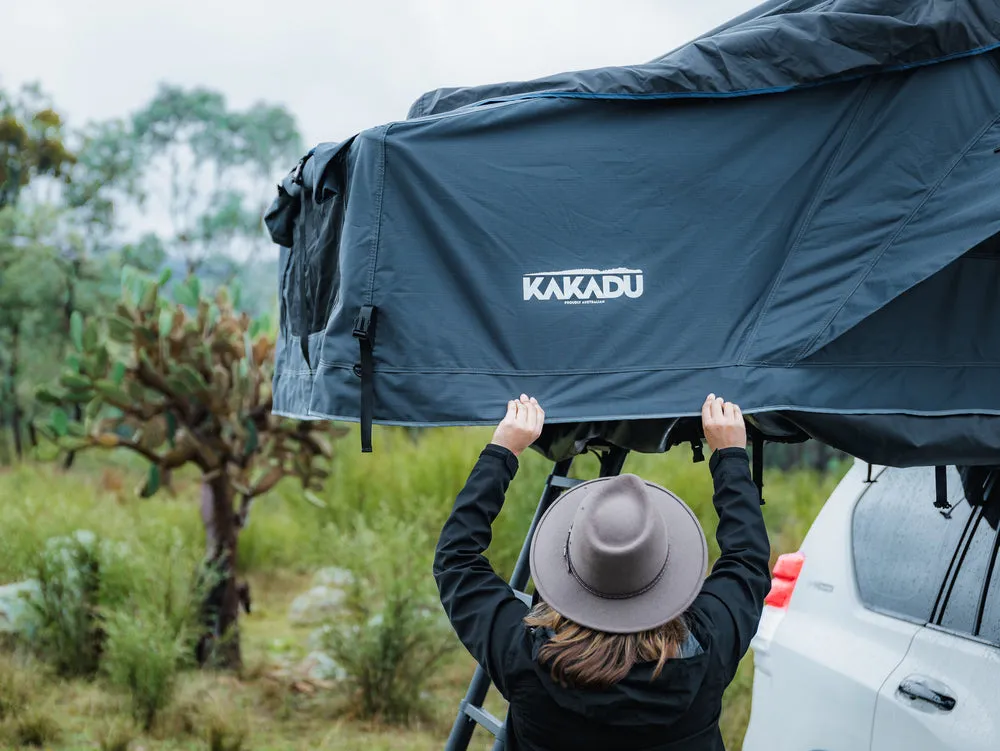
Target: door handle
x: 917, y: 690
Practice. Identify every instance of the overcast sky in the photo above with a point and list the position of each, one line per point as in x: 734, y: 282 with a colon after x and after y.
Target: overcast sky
x: 338, y: 66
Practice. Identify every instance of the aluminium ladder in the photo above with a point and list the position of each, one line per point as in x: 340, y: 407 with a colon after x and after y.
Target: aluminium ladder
x: 470, y: 709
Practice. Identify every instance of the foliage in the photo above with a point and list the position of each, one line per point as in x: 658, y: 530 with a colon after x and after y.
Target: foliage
x: 188, y: 382
x: 69, y: 636
x: 144, y: 651
x: 392, y: 634
x: 15, y: 687
x: 64, y: 198
x: 224, y: 727
x: 36, y: 726
x: 29, y: 290
x: 31, y: 142
x: 116, y: 734
x: 207, y: 710
x: 218, y: 163
x: 151, y: 620
x: 183, y: 382
x: 414, y: 482
x: 24, y: 720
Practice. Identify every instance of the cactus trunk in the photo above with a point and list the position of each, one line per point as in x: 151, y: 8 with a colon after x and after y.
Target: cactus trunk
x: 220, y: 645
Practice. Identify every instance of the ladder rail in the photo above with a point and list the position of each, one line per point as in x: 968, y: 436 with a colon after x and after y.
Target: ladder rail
x: 461, y: 731
x: 471, y: 710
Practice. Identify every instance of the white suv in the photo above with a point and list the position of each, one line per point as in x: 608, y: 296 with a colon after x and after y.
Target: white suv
x: 883, y: 631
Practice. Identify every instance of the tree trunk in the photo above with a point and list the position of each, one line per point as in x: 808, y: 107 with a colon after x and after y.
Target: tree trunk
x: 69, y: 304
x: 71, y: 455
x: 220, y: 645
x: 4, y: 446
x: 15, y: 418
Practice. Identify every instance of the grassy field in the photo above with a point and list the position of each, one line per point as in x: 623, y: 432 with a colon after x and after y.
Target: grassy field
x: 410, y: 480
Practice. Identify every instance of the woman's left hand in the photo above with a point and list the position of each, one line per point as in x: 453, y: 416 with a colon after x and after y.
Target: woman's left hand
x: 521, y: 426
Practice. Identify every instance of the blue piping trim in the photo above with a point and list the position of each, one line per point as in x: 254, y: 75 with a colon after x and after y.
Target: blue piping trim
x: 729, y: 94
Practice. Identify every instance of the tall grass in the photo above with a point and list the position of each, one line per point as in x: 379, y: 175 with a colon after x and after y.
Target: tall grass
x: 391, y: 635
x: 411, y: 481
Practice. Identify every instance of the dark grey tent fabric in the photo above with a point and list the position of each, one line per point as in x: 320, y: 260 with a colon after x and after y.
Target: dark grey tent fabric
x: 777, y: 46
x: 816, y: 244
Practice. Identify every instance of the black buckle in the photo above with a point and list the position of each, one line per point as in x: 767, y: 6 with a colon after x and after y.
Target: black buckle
x: 364, y: 324
x: 697, y: 450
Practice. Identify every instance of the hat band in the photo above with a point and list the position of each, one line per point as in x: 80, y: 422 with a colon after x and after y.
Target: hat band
x: 605, y: 595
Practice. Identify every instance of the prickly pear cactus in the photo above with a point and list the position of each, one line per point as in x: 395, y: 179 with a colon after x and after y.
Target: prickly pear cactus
x: 181, y: 381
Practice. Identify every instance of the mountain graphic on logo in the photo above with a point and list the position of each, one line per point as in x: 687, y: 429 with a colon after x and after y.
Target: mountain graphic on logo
x: 586, y: 272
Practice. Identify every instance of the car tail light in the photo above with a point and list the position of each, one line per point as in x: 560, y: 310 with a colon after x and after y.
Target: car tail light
x: 786, y: 573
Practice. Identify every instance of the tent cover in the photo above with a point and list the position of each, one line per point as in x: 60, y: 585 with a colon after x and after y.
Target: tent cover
x: 799, y: 211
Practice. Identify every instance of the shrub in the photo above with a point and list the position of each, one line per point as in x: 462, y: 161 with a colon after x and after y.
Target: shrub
x: 143, y: 656
x: 116, y: 734
x: 391, y: 633
x: 15, y: 688
x: 34, y: 726
x: 151, y: 621
x: 69, y: 634
x: 204, y: 709
x: 225, y: 727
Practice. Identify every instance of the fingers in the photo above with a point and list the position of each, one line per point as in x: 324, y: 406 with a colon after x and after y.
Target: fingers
x: 526, y: 412
x: 717, y: 409
x: 706, y: 408
x: 541, y: 413
x: 537, y: 417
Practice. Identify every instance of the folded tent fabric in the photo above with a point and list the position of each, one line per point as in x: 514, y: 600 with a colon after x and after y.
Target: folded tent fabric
x: 796, y: 210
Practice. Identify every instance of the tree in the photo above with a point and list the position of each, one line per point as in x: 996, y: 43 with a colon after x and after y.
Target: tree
x: 218, y: 165
x: 189, y: 382
x: 30, y: 142
x: 106, y: 172
x: 31, y: 146
x: 29, y: 290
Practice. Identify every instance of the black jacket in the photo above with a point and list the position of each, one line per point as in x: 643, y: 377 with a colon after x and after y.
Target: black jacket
x: 681, y: 708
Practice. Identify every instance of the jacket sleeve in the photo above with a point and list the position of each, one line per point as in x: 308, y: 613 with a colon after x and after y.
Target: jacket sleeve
x: 732, y: 597
x: 481, y: 606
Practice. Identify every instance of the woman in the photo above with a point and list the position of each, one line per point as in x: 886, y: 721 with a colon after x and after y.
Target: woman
x: 629, y: 647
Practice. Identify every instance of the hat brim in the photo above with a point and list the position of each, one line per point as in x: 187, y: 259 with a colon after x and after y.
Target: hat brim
x: 669, y: 597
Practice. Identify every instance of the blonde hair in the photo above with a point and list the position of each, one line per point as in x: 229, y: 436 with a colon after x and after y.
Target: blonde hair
x: 580, y: 657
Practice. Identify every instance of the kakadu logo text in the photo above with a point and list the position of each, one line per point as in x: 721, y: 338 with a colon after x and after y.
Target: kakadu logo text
x: 583, y: 286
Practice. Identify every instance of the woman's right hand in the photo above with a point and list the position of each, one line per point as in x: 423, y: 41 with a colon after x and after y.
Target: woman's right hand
x: 723, y: 424
x: 521, y: 426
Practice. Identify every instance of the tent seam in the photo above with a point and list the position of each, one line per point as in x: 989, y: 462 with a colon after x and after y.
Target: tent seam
x: 808, y: 348
x: 325, y: 365
x: 655, y: 416
x: 377, y: 234
x: 764, y: 91
x: 810, y: 214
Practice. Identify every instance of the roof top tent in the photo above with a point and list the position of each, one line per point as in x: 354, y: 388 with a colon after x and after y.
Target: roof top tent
x: 799, y: 210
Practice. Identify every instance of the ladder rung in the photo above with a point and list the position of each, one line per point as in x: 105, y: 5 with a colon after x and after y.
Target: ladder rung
x: 564, y: 482
x: 487, y: 720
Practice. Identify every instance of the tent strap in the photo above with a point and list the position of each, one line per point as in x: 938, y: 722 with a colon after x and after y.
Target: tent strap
x: 941, y: 488
x: 758, y: 463
x: 364, y: 332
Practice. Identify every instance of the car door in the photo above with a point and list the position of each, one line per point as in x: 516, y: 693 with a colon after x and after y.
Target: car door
x: 945, y: 693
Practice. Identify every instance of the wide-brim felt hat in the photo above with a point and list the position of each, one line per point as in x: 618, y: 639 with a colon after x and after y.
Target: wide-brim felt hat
x: 619, y: 555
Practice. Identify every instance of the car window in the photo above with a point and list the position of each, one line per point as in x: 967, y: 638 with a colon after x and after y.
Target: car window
x: 962, y: 604
x: 990, y: 627
x: 902, y: 544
